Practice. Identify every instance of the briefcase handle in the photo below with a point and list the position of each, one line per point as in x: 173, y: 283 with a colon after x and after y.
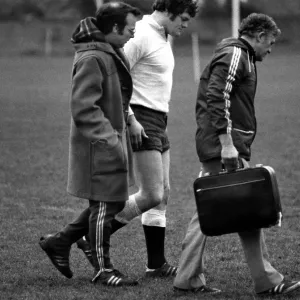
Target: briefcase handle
x: 240, y: 167
x: 236, y: 170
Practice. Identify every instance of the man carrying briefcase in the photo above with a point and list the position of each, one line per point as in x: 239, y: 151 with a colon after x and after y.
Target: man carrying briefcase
x: 226, y: 128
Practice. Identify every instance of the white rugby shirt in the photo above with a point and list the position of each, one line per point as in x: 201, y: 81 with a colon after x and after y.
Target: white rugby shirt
x: 152, y: 63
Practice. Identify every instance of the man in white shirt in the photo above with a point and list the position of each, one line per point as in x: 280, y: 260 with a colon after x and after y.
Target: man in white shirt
x: 151, y: 64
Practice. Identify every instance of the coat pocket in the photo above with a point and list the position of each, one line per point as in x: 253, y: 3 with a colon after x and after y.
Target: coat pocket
x: 107, y: 159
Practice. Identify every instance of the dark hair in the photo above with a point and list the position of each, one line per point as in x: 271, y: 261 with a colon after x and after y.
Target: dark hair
x: 176, y: 7
x: 112, y: 13
x: 256, y: 23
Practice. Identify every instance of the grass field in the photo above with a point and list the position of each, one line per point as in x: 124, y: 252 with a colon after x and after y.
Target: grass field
x: 34, y: 128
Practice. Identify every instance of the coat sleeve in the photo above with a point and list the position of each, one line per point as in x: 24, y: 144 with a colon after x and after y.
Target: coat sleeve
x: 226, y: 68
x: 86, y: 98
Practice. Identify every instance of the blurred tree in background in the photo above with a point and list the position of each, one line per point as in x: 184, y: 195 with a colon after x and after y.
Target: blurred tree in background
x: 84, y: 7
x: 56, y: 9
x: 72, y: 9
x: 145, y: 6
x: 45, y: 26
x: 222, y: 9
x: 45, y: 9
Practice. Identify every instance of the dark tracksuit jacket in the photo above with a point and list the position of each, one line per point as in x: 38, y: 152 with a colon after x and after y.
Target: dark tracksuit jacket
x: 225, y: 100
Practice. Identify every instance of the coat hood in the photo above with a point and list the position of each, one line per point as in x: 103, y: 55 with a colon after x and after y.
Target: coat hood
x: 241, y: 43
x: 87, y: 31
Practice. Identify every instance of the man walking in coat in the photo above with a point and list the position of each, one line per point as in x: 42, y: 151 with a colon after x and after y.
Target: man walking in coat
x: 151, y: 63
x: 99, y: 168
x: 226, y: 127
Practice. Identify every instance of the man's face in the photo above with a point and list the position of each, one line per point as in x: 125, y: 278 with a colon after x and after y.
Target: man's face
x: 263, y: 46
x: 175, y: 26
x: 123, y: 36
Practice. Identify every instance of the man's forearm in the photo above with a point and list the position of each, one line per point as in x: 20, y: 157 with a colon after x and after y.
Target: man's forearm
x: 225, y: 140
x: 228, y: 149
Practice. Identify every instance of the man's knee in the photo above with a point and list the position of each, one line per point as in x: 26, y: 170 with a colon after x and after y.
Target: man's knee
x: 158, y: 196
x: 155, y: 197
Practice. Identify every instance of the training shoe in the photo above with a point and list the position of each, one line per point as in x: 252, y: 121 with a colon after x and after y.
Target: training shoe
x: 59, y: 255
x: 202, y: 289
x: 113, y: 278
x: 282, y: 288
x: 84, y: 245
x: 118, y: 273
x: 164, y: 271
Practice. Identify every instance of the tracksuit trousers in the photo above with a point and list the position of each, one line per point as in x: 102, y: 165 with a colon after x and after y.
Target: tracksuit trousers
x: 94, y: 221
x: 190, y: 273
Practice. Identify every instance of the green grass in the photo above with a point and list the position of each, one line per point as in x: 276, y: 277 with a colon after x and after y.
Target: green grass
x: 34, y: 128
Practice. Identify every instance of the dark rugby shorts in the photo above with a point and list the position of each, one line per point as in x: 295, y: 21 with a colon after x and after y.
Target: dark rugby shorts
x: 155, y: 124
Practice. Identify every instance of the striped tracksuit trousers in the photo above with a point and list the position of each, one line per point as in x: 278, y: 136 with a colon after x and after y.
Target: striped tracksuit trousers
x: 94, y: 222
x: 101, y: 216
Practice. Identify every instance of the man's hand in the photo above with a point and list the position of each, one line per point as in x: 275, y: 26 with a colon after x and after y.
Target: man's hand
x: 229, y: 154
x: 136, y: 132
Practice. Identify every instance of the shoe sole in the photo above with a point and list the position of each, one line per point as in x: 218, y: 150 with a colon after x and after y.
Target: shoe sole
x: 176, y: 289
x: 159, y: 275
x: 44, y: 246
x: 291, y: 289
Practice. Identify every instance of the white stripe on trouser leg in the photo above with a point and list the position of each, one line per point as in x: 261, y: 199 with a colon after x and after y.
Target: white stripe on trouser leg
x: 154, y: 217
x: 100, y: 235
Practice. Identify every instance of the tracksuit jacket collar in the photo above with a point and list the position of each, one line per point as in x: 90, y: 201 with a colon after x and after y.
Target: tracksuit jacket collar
x: 238, y: 42
x: 250, y: 49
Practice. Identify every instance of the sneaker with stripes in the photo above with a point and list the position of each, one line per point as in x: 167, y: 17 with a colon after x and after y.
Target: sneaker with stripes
x: 113, y: 278
x: 164, y: 271
x: 282, y: 288
x: 58, y: 254
x: 84, y: 245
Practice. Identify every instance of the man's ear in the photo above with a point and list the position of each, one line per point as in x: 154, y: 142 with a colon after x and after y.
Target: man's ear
x: 115, y: 29
x: 260, y: 36
x: 170, y: 16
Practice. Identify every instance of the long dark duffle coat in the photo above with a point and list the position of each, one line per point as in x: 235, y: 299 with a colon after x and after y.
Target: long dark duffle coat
x: 100, y: 154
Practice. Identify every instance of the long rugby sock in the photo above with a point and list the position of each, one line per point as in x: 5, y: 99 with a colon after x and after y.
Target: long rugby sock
x: 155, y: 243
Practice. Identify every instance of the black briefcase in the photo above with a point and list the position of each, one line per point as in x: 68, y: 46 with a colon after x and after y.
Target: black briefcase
x: 243, y: 200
